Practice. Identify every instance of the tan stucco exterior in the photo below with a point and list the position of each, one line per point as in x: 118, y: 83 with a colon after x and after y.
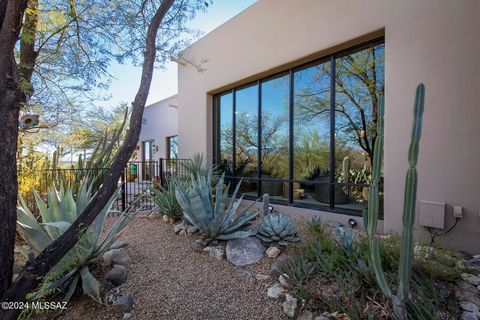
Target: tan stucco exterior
x: 429, y: 41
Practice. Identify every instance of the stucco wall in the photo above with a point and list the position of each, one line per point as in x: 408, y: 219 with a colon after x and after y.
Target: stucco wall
x: 429, y: 41
x: 160, y: 121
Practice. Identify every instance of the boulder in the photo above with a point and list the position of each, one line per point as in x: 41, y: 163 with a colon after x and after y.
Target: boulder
x: 118, y: 244
x: 290, y: 305
x: 245, y: 251
x: 273, y: 252
x: 275, y: 291
x: 116, y: 256
x: 124, y: 303
x: 117, y: 275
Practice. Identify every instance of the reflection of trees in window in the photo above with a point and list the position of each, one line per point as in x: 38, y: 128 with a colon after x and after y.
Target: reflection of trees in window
x: 275, y: 127
x: 246, y: 122
x: 226, y: 137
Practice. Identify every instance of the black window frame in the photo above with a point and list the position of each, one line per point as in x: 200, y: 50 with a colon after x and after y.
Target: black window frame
x: 290, y: 71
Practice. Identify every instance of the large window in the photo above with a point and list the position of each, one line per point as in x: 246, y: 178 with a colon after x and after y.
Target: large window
x: 306, y: 135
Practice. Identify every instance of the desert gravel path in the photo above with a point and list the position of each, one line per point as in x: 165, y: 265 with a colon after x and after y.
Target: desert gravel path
x: 170, y: 281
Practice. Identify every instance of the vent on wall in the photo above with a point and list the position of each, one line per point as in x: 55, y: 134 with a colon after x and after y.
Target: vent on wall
x: 432, y: 214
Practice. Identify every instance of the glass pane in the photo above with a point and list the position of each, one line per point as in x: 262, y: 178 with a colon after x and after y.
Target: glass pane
x: 359, y: 83
x: 226, y: 133
x: 277, y: 190
x: 173, y: 147
x: 246, y: 122
x: 309, y: 193
x: 275, y: 115
x: 248, y: 188
x: 312, y: 123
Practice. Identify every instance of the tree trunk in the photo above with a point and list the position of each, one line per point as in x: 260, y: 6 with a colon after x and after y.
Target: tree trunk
x: 11, y: 14
x: 31, y: 274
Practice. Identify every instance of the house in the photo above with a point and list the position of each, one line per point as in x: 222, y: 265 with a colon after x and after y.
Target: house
x: 284, y: 95
x: 158, y: 139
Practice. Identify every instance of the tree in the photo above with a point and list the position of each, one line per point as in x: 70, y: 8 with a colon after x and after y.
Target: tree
x: 141, y: 20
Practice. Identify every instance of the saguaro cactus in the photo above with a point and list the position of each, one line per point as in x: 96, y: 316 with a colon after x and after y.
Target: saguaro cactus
x: 346, y: 170
x: 371, y: 216
x: 266, y: 204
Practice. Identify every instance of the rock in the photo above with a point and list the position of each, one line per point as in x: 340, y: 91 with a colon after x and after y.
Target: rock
x: 468, y: 316
x: 117, y: 275
x: 321, y: 317
x: 182, y: 232
x: 245, y: 273
x: 116, y: 256
x: 284, y: 281
x: 165, y: 218
x: 126, y: 316
x: 275, y: 291
x: 242, y: 252
x: 198, y: 246
x: 124, y: 303
x: 277, y: 265
x: 192, y: 230
x: 273, y: 252
x: 470, y: 278
x: 177, y: 228
x: 473, y: 264
x: 262, y: 277
x: 469, y: 306
x: 305, y: 315
x: 112, y: 295
x: 467, y: 292
x: 290, y: 305
x: 207, y: 249
x: 217, y: 252
x: 118, y: 244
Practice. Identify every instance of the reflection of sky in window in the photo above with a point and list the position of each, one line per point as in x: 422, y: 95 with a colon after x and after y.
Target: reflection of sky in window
x: 275, y: 96
x: 246, y: 113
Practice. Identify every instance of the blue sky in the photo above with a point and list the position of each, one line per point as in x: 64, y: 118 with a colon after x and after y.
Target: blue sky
x: 164, y: 83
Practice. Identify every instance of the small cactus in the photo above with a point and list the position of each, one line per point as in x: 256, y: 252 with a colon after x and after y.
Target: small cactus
x: 346, y: 170
x: 266, y: 204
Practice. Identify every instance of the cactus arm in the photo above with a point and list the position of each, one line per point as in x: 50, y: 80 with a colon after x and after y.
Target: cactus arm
x: 410, y: 197
x: 376, y: 262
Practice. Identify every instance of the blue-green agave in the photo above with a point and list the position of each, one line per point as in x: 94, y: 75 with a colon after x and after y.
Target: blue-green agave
x: 278, y: 228
x: 210, y: 213
x: 57, y: 214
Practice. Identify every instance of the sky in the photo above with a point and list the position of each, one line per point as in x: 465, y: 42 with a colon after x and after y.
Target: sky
x: 164, y: 82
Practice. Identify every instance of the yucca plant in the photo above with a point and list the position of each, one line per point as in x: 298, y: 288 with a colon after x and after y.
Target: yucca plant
x: 57, y: 214
x: 278, y: 228
x: 210, y: 213
x: 166, y: 200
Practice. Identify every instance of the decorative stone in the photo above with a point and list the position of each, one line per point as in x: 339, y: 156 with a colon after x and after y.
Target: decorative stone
x: 321, y: 317
x: 124, y: 303
x: 192, y: 230
x: 165, y: 218
x: 126, y: 316
x: 116, y: 256
x: 242, y: 252
x: 245, y: 273
x: 468, y: 316
x: 217, y: 252
x: 262, y: 277
x: 473, y: 264
x: 290, y: 305
x: 470, y: 278
x: 118, y: 244
x: 273, y: 252
x: 182, y: 232
x: 275, y: 291
x: 305, y: 315
x: 177, y: 228
x: 117, y: 275
x: 467, y: 292
x: 284, y: 281
x: 469, y: 306
x: 207, y: 249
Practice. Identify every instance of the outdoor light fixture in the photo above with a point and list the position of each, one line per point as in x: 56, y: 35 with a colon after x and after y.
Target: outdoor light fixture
x: 352, y: 223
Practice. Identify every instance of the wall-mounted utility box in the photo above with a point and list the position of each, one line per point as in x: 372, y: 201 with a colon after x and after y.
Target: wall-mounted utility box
x: 432, y: 214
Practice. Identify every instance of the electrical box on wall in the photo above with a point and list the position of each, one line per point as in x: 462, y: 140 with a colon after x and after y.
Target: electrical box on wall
x: 432, y: 214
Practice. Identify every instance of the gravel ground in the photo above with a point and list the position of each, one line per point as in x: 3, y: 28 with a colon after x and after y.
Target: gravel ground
x: 170, y: 281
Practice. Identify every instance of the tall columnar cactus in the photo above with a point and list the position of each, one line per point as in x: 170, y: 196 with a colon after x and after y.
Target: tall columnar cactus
x: 346, y: 170
x: 266, y: 204
x: 371, y: 217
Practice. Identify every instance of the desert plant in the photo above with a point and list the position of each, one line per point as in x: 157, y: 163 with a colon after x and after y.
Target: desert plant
x: 196, y: 166
x: 371, y: 217
x: 57, y: 214
x: 266, y: 204
x: 209, y: 212
x: 166, y: 200
x: 278, y: 228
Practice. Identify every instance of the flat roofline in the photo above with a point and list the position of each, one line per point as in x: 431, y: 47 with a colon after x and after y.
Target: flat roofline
x: 162, y: 100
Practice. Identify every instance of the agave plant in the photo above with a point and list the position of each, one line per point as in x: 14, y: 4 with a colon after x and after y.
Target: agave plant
x: 196, y: 166
x: 166, y: 200
x: 278, y: 228
x: 60, y: 211
x: 211, y: 215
